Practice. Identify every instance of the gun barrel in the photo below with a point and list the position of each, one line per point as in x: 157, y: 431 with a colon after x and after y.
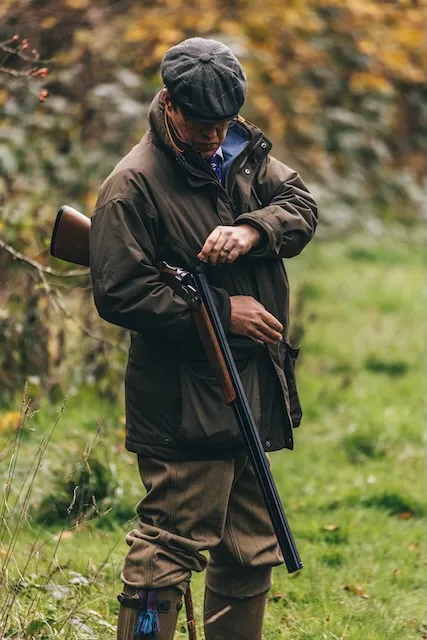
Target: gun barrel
x: 251, y: 436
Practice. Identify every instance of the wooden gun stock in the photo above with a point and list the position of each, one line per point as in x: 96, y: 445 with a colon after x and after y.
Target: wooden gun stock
x: 214, y: 353
x: 70, y: 237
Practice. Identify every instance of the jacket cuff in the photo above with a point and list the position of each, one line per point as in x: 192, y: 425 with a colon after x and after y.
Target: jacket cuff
x: 268, y: 237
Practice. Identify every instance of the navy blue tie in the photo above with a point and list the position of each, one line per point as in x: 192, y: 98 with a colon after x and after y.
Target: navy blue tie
x: 216, y: 164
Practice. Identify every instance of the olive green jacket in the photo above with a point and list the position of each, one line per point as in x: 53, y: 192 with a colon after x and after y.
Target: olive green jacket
x: 160, y: 204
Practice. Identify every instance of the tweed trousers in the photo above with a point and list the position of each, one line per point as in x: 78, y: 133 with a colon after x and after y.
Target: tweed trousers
x: 198, y: 506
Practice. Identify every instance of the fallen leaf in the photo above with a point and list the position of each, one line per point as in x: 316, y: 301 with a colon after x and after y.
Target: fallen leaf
x: 411, y: 622
x: 414, y: 546
x: 397, y: 572
x: 276, y: 597
x: 331, y: 527
x: 357, y: 589
x: 405, y: 515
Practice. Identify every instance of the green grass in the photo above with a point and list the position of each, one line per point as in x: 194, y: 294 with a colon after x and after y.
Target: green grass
x: 353, y: 488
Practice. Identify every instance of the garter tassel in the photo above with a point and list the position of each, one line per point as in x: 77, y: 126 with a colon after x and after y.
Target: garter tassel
x: 148, y: 620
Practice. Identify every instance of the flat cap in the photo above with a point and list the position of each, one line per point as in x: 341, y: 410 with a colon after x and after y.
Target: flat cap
x: 205, y: 79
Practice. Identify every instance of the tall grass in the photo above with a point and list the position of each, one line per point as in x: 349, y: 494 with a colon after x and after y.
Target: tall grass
x: 40, y: 597
x: 353, y: 488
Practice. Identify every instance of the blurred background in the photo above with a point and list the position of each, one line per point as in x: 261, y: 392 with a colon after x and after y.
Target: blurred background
x: 339, y: 86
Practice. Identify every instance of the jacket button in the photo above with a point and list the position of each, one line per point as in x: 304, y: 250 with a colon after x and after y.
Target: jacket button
x: 247, y: 171
x: 267, y: 443
x: 263, y: 145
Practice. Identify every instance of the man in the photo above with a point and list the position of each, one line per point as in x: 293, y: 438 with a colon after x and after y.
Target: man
x: 200, y: 185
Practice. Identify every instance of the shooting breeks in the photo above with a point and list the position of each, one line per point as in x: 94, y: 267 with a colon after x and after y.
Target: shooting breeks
x: 193, y: 506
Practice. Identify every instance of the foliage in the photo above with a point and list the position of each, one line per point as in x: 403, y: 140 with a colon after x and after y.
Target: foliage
x: 339, y: 85
x: 24, y: 62
x: 83, y: 491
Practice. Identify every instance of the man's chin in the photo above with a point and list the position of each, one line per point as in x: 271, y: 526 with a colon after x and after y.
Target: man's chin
x: 207, y: 153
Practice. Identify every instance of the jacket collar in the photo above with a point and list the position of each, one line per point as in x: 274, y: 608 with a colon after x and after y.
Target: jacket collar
x: 242, y: 137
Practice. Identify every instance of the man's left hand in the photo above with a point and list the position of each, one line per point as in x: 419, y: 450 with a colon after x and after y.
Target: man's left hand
x: 225, y: 244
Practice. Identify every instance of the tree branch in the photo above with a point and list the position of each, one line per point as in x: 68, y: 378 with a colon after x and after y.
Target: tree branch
x: 53, y: 295
x: 13, y: 72
x: 41, y: 268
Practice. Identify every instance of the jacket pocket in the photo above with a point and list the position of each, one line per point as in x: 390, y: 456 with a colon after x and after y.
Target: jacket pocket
x: 153, y: 402
x: 291, y: 356
x: 206, y: 419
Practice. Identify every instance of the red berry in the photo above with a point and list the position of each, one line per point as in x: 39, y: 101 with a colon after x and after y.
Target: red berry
x: 43, y: 95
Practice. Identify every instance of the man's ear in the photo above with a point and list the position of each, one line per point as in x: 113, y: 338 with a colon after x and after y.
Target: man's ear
x: 167, y: 100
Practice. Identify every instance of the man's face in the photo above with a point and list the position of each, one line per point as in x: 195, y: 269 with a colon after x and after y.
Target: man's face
x: 205, y: 138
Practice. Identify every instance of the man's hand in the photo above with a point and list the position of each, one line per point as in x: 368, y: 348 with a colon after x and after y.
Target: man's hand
x: 225, y: 244
x: 250, y: 318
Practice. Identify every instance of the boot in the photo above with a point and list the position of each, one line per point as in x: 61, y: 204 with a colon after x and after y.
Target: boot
x: 164, y: 602
x: 239, y: 619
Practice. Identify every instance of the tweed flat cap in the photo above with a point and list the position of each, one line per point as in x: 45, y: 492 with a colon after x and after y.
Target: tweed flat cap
x: 205, y: 79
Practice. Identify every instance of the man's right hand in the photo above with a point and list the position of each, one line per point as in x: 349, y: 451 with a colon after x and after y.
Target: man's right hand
x: 251, y: 319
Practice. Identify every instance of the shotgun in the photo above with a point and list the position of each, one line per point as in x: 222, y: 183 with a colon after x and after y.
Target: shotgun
x: 70, y: 242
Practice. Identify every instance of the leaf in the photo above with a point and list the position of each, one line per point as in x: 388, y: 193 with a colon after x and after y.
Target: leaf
x: 90, y: 200
x: 76, y: 4
x: 357, y: 589
x: 277, y: 597
x: 48, y: 22
x: 9, y: 420
x: 231, y: 27
x: 331, y: 527
x: 363, y: 82
x: 171, y: 35
x: 406, y: 515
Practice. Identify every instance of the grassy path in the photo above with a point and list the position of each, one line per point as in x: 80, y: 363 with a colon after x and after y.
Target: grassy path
x: 353, y: 488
